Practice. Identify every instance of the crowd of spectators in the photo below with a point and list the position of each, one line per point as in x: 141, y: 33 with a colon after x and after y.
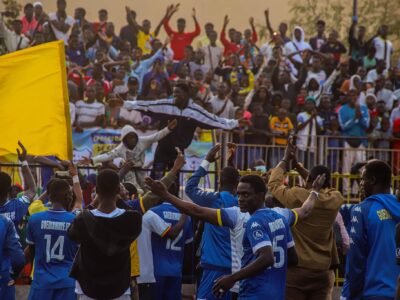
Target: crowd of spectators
x: 289, y: 84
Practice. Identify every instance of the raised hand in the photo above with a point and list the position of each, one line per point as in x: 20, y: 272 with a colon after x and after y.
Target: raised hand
x: 319, y: 182
x: 226, y: 20
x: 22, y: 153
x: 266, y: 12
x: 172, y: 124
x: 213, y: 154
x: 157, y: 187
x: 251, y: 21
x: 179, y: 161
x: 290, y: 150
x: 72, y: 169
x: 194, y: 13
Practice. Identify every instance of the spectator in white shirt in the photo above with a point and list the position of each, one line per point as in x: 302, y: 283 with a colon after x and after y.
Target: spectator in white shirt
x: 72, y: 113
x: 373, y: 74
x: 221, y: 105
x: 89, y: 113
x: 384, y: 47
x: 212, y: 53
x: 316, y: 70
x: 61, y: 22
x: 13, y: 39
x: 384, y: 94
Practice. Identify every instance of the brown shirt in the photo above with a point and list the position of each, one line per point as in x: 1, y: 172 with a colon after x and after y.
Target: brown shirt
x: 313, y: 235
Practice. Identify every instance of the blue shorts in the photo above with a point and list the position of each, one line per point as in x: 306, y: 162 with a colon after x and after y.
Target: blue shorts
x: 7, y: 292
x: 206, y: 284
x: 168, y: 288
x: 53, y: 294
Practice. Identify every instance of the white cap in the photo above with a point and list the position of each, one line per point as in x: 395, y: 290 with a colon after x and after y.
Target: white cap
x: 37, y: 3
x: 127, y: 129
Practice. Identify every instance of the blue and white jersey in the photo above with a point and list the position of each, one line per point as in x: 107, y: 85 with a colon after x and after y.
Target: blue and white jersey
x: 264, y: 228
x: 10, y: 248
x: 54, y: 251
x: 168, y: 254
x: 15, y: 209
x: 217, y: 244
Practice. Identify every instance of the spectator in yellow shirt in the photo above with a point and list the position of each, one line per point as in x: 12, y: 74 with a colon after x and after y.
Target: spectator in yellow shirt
x: 281, y: 128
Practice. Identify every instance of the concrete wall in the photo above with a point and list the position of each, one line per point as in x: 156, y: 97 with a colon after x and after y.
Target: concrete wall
x: 239, y: 11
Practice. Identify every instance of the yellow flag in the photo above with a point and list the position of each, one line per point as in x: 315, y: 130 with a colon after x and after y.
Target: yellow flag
x: 34, y: 105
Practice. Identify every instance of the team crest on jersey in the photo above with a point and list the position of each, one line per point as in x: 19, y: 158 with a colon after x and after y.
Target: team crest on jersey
x: 352, y: 230
x: 254, y: 225
x: 354, y: 219
x: 358, y: 209
x: 258, y: 234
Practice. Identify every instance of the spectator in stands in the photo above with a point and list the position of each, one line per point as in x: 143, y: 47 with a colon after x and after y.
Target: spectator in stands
x: 312, y: 277
x: 384, y: 94
x: 373, y: 223
x: 258, y: 133
x: 129, y: 31
x: 334, y: 46
x: 281, y: 127
x: 10, y: 249
x: 29, y: 23
x: 309, y: 124
x: 383, y: 46
x: 221, y: 105
x: 319, y: 40
x: 297, y: 45
x: 100, y: 26
x: 354, y: 120
x: 89, y: 113
x: 232, y: 46
x: 358, y: 45
x: 380, y: 139
x: 212, y: 52
x: 180, y: 39
x: 373, y: 74
x: 60, y: 22
x: 75, y: 51
x: 102, y: 266
x: 13, y: 39
x: 326, y: 112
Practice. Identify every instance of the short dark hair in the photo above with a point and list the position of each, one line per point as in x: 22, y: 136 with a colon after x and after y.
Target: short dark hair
x: 5, y: 184
x: 319, y: 170
x: 321, y: 22
x: 256, y: 182
x: 181, y: 20
x: 28, y: 5
x: 185, y: 87
x: 229, y: 176
x: 381, y: 171
x: 104, y: 11
x: 55, y: 186
x: 107, y: 183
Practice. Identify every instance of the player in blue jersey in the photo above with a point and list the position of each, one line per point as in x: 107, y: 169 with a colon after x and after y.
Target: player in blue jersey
x: 11, y: 248
x: 216, y: 249
x: 371, y: 272
x: 261, y: 286
x: 168, y: 254
x: 53, y: 251
x: 15, y: 209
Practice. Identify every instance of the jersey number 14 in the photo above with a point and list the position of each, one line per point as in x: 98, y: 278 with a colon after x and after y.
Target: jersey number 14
x: 55, y: 251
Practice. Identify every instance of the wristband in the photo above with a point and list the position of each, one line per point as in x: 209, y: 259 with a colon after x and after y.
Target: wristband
x: 75, y: 179
x: 315, y: 193
x: 24, y: 163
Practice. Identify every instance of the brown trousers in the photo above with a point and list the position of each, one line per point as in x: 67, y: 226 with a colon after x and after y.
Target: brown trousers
x: 307, y: 284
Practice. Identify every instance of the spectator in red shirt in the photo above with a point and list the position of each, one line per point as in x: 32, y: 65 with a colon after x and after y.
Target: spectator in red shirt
x: 180, y: 39
x: 29, y: 23
x: 230, y: 47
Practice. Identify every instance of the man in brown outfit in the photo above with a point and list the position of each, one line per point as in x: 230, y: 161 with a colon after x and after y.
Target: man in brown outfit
x: 312, y: 278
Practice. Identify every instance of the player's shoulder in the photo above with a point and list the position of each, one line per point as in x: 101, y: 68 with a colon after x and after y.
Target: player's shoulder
x: 4, y: 221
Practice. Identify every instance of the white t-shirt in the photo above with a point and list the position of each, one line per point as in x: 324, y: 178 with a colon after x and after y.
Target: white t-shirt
x: 372, y: 75
x: 379, y: 45
x: 151, y: 222
x: 304, y: 134
x: 132, y: 116
x: 88, y: 112
x: 59, y: 34
x: 115, y: 213
x: 217, y: 104
x: 212, y: 56
x: 321, y: 75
